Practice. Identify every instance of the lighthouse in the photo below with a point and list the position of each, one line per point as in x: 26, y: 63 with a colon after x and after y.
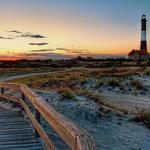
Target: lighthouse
x: 143, y: 46
x: 141, y: 54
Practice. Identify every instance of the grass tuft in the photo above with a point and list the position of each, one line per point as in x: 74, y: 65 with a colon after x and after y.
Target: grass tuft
x: 137, y: 84
x: 66, y: 93
x: 146, y: 71
x: 113, y: 83
x: 91, y: 95
x: 142, y: 116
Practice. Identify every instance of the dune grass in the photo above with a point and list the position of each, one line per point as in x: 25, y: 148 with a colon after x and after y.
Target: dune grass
x: 113, y: 82
x: 142, y: 115
x: 10, y: 71
x: 147, y: 71
x: 66, y: 93
x: 137, y: 84
x: 69, y: 85
x: 72, y: 82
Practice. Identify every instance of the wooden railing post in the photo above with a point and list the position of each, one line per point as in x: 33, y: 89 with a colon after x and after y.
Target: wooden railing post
x: 2, y: 90
x: 38, y: 118
x: 23, y: 97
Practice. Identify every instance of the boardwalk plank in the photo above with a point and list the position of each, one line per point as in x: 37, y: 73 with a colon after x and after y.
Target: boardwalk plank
x: 16, y: 133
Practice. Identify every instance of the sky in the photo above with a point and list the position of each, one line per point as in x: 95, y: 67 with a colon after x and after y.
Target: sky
x: 41, y: 29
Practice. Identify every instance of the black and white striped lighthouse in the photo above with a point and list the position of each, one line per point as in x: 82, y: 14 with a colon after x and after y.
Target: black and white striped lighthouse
x: 141, y: 54
x: 143, y: 46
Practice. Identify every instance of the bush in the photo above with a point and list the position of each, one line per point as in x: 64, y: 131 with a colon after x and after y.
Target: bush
x: 96, y: 97
x: 147, y: 71
x: 83, y: 92
x: 100, y: 83
x: 91, y: 95
x: 66, y: 93
x: 137, y: 84
x: 142, y: 116
x: 113, y: 83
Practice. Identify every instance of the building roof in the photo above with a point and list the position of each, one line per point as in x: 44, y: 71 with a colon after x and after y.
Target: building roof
x: 133, y: 52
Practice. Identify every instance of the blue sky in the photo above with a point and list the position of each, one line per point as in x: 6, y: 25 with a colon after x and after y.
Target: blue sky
x: 88, y: 26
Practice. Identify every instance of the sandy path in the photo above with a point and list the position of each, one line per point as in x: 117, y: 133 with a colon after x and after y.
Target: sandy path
x: 128, y: 101
x: 8, y: 77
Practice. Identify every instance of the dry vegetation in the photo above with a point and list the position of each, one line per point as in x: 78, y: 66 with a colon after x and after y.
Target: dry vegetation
x: 142, y: 116
x: 66, y: 93
x: 76, y: 79
x: 137, y: 84
x: 12, y: 71
x: 70, y: 84
x: 113, y: 83
x: 80, y: 76
x: 146, y: 71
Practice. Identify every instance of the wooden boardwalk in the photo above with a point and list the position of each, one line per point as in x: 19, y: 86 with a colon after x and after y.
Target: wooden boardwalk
x: 16, y: 132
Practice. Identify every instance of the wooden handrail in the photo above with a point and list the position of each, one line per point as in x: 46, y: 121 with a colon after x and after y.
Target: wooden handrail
x: 75, y: 137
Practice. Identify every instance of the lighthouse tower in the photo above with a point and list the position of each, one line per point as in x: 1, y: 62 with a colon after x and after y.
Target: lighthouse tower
x: 143, y: 46
x: 141, y: 54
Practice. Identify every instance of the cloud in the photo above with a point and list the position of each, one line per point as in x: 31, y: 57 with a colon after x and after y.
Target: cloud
x: 38, y: 44
x: 79, y: 52
x: 6, y: 38
x: 37, y: 36
x: 31, y: 35
x: 63, y: 49
x: 45, y: 56
x: 15, y: 31
x: 25, y: 35
x: 42, y: 50
x: 74, y: 51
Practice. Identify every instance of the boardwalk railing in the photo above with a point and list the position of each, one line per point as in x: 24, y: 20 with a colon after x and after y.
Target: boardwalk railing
x: 75, y: 137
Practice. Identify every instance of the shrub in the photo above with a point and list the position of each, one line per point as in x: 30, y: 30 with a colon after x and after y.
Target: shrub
x: 100, y: 83
x: 113, y: 83
x: 142, y: 116
x: 137, y: 84
x: 83, y: 92
x: 147, y: 71
x: 91, y: 95
x: 96, y: 97
x: 66, y: 93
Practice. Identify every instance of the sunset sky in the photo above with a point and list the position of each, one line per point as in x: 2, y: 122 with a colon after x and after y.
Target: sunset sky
x: 67, y: 28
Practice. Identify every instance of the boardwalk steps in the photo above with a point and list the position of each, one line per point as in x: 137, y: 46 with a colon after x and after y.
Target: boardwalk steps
x: 16, y: 132
x: 25, y: 127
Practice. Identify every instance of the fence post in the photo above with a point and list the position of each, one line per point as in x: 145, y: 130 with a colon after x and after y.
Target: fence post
x: 2, y: 90
x: 23, y: 97
x: 38, y: 118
